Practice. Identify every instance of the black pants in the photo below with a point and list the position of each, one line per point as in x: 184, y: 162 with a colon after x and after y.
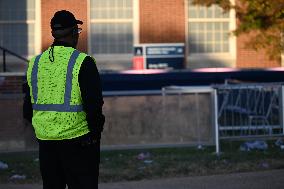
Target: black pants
x: 70, y: 163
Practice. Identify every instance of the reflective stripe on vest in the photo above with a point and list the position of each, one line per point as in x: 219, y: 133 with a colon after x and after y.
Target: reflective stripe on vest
x: 65, y: 107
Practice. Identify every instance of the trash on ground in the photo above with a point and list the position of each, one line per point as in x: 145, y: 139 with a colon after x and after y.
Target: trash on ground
x: 225, y: 162
x: 18, y: 177
x: 143, y: 156
x: 279, y: 142
x: 200, y: 147
x: 141, y: 168
x: 3, y: 165
x: 254, y: 145
x: 148, y: 161
x: 264, y: 165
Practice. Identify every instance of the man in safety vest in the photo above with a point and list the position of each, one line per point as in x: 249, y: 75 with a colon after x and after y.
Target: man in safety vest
x: 64, y: 103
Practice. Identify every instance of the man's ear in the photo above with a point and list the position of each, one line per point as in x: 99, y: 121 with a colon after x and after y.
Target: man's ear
x: 75, y: 31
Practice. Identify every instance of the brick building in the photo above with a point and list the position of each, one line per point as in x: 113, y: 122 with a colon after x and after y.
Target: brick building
x: 112, y: 27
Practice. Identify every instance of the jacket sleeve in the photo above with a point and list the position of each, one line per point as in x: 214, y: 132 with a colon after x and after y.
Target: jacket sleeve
x: 27, y: 105
x: 91, y: 92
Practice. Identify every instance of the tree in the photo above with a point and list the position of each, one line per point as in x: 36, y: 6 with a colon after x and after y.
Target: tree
x: 262, y: 18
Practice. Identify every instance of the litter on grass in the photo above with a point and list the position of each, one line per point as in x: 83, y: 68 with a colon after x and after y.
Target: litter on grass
x: 253, y: 145
x: 18, y: 177
x: 143, y: 155
x: 148, y: 161
x: 3, y: 165
x: 279, y: 143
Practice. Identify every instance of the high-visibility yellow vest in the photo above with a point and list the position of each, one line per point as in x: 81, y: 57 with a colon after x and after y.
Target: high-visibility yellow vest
x: 55, y: 94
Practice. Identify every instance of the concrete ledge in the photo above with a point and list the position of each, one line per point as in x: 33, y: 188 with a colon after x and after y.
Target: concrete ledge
x: 12, y: 74
x: 12, y: 96
x: 14, y: 145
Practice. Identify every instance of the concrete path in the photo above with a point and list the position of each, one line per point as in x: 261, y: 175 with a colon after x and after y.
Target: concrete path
x: 254, y: 180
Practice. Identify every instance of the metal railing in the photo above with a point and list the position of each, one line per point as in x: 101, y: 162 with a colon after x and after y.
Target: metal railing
x: 248, y: 111
x: 191, y: 111
x: 4, y: 53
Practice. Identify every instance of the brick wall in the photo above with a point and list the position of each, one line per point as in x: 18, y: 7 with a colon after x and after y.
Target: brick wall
x: 162, y: 21
x: 248, y: 58
x: 77, y: 7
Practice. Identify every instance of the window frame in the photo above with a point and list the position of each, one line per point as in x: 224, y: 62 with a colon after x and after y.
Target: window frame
x: 212, y: 55
x: 135, y: 32
x: 37, y: 32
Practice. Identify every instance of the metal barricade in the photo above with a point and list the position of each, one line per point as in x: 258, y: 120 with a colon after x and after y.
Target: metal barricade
x: 248, y: 111
x: 192, y: 112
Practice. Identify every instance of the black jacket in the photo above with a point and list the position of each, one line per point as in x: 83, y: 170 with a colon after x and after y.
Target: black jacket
x: 91, y: 92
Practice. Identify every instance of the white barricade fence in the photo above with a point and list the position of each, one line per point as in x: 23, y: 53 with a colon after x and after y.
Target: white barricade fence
x: 192, y: 110
x: 248, y: 111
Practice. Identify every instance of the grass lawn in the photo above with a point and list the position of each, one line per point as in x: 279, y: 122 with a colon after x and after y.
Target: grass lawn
x: 125, y: 165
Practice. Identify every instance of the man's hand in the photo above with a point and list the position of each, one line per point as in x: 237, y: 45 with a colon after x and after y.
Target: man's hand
x: 95, y: 136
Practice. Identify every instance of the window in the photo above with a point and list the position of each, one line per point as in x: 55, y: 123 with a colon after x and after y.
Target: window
x: 111, y: 26
x: 17, y: 26
x: 209, y: 30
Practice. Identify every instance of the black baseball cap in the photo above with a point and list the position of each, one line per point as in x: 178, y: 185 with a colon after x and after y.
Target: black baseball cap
x: 63, y: 19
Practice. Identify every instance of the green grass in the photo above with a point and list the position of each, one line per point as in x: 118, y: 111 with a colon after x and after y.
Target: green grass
x: 20, y: 163
x: 123, y: 165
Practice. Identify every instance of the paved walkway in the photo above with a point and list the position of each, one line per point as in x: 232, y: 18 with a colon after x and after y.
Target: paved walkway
x: 254, y: 180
